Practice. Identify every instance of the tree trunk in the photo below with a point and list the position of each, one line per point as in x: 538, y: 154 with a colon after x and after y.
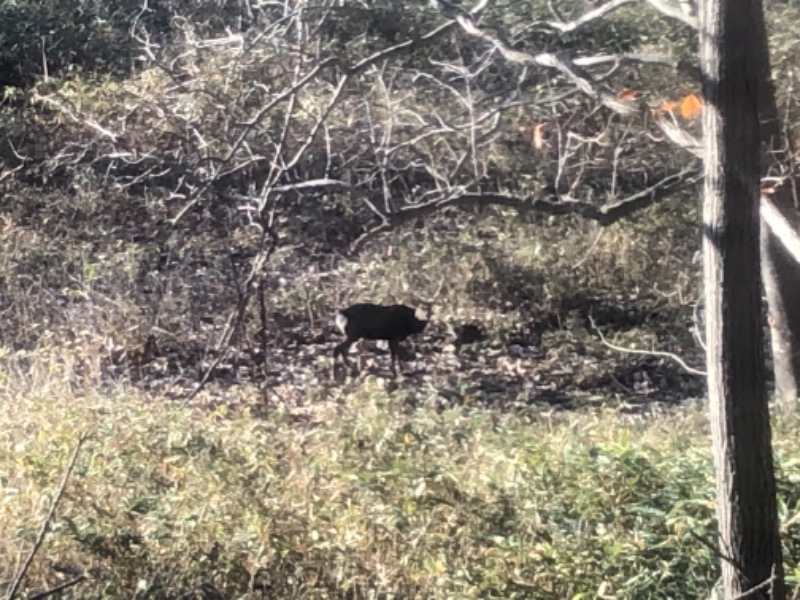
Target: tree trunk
x: 781, y: 276
x: 780, y: 273
x: 746, y: 507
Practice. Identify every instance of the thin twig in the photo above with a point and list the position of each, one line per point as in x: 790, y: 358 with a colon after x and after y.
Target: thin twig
x: 767, y: 583
x: 46, y: 523
x: 59, y: 588
x: 236, y: 318
x: 586, y: 18
x: 697, y: 330
x: 590, y: 250
x: 674, y: 357
x: 718, y: 553
x: 714, y: 550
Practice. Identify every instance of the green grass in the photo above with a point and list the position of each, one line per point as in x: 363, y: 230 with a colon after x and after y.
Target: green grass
x: 359, y: 496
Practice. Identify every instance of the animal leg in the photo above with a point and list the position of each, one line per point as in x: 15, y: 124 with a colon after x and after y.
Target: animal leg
x: 342, y: 350
x: 394, y: 348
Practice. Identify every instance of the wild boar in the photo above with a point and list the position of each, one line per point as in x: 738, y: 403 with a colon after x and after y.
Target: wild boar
x: 392, y: 323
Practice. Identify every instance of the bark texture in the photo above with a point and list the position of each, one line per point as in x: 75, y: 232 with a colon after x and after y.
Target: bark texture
x: 779, y: 271
x: 746, y: 507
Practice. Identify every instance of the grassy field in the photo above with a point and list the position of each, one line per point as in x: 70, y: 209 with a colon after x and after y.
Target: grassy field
x: 356, y: 493
x: 538, y: 463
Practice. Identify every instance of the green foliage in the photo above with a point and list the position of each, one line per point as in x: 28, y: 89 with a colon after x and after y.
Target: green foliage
x: 364, y: 498
x: 358, y: 497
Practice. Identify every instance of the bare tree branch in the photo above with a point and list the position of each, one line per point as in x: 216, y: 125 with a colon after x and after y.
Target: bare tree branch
x: 604, y: 215
x: 683, y: 11
x: 781, y: 227
x: 586, y: 18
x: 559, y: 61
x: 676, y: 11
x: 59, y: 588
x: 658, y: 353
x: 632, y: 58
x: 679, y: 136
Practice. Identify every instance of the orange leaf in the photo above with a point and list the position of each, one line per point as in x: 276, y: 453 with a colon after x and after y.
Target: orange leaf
x: 626, y: 94
x: 691, y: 106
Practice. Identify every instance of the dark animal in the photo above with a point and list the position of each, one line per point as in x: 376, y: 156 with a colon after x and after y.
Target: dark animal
x: 468, y: 334
x: 375, y: 322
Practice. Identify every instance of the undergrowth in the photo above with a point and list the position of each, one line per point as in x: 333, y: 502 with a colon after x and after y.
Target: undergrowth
x: 357, y: 495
